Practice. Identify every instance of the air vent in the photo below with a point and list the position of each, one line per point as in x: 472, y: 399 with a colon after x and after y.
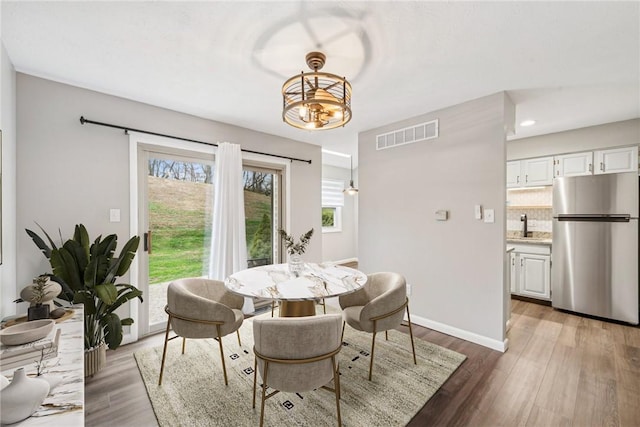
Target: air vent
x: 421, y: 132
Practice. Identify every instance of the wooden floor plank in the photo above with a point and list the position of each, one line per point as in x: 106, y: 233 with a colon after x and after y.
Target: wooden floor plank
x: 560, y: 369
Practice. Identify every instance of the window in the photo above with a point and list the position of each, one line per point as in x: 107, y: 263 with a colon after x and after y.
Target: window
x: 332, y: 202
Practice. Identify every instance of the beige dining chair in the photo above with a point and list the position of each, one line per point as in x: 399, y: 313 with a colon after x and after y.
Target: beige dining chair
x: 296, y: 354
x: 201, y: 308
x: 377, y: 307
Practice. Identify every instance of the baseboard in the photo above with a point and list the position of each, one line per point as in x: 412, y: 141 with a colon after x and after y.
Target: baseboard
x: 501, y: 346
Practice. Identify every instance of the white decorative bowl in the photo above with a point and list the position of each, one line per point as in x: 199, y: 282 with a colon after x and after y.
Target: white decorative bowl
x: 26, y: 332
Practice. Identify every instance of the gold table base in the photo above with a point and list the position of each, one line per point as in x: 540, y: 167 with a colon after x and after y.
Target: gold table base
x: 297, y: 308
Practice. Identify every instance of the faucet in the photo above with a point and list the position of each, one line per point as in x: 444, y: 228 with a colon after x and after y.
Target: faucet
x: 523, y: 218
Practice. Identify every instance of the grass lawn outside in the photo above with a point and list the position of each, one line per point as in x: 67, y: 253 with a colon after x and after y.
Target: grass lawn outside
x: 180, y: 220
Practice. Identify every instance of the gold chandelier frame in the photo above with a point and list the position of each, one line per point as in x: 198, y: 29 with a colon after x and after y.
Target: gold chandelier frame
x: 316, y: 100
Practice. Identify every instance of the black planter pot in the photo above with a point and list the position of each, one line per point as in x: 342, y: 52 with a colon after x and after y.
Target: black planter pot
x: 38, y: 312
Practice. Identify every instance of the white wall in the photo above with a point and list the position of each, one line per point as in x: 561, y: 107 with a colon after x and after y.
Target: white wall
x: 584, y: 139
x: 8, y: 191
x: 455, y: 267
x: 69, y: 173
x: 341, y: 245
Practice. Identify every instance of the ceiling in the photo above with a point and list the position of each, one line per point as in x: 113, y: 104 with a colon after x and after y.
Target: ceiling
x: 565, y: 64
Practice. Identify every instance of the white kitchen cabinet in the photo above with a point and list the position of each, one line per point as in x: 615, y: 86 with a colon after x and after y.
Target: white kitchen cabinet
x: 535, y: 276
x: 513, y: 273
x: 616, y: 160
x: 574, y: 164
x: 530, y: 271
x: 513, y: 174
x: 538, y: 171
x: 530, y: 172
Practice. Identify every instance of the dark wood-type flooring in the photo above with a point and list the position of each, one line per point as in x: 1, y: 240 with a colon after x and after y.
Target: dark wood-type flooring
x: 560, y: 369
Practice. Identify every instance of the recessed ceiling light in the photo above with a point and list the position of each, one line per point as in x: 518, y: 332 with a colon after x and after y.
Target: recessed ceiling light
x: 335, y: 153
x: 527, y: 123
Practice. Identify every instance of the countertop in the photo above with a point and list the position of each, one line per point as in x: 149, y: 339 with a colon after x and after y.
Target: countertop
x: 529, y: 241
x: 64, y: 406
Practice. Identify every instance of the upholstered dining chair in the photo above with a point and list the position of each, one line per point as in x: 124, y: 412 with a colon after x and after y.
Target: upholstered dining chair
x: 377, y: 307
x: 296, y: 354
x: 201, y: 308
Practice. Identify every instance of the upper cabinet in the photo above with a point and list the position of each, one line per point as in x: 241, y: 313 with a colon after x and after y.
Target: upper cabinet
x: 541, y: 171
x: 574, y: 164
x: 616, y: 160
x: 513, y: 174
x: 530, y: 172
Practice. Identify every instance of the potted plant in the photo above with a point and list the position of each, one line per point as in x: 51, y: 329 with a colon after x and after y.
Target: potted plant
x: 87, y: 273
x: 295, y: 250
x: 38, y: 295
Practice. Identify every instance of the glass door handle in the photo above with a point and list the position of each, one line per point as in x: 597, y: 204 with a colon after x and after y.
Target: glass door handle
x: 147, y: 242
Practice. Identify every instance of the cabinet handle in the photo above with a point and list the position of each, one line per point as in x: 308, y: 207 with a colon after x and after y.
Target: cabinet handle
x: 526, y: 178
x: 518, y: 179
x: 590, y: 167
x: 513, y: 261
x: 602, y: 166
x: 521, y: 262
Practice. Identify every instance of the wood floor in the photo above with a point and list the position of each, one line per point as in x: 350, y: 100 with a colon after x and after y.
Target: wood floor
x: 561, y: 369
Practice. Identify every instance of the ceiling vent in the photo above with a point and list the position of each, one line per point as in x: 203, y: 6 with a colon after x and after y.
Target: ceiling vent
x: 417, y: 133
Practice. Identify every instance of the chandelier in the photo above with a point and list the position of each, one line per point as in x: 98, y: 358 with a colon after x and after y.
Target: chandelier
x: 316, y: 100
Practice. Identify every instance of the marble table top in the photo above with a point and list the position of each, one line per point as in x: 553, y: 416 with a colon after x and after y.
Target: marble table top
x: 278, y: 283
x: 64, y: 406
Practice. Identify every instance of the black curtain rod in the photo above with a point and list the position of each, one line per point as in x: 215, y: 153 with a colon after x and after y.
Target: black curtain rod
x: 127, y: 129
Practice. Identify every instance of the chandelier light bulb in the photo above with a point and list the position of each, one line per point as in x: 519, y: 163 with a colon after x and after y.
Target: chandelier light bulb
x: 303, y: 112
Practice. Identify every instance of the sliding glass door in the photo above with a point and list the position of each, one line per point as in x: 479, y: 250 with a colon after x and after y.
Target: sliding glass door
x: 176, y: 200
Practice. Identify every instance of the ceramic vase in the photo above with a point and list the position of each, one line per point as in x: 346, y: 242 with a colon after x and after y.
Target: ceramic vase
x: 22, y: 397
x: 3, y: 382
x: 95, y: 359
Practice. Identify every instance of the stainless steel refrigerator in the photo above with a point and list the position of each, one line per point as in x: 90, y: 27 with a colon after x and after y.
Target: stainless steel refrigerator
x: 594, y: 257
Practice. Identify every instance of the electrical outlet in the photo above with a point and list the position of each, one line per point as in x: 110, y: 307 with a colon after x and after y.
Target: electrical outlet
x: 489, y: 215
x: 114, y: 215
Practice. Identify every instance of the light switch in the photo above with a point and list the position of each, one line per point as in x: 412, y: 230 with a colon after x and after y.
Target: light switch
x: 114, y: 215
x: 442, y: 215
x: 477, y: 211
x: 489, y: 215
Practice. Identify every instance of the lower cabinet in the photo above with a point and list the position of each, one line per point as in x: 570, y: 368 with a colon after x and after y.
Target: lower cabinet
x: 531, y: 271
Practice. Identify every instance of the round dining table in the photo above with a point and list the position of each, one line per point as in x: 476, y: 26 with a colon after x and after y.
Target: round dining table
x: 296, y: 291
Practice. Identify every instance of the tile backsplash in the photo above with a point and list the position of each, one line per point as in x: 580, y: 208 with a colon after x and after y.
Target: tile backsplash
x: 536, y: 203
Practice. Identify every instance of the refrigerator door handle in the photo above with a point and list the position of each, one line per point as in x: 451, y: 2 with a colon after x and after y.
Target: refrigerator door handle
x: 595, y: 217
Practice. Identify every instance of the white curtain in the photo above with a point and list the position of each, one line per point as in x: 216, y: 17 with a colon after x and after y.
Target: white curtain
x: 228, y: 236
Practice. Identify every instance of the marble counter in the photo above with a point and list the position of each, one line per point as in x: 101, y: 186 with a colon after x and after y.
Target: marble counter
x: 65, y: 404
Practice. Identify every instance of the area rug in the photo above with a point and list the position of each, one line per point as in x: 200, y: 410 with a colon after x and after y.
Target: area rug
x: 193, y: 391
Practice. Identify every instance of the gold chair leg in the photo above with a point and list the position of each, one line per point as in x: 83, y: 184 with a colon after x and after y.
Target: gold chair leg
x: 273, y: 306
x: 324, y: 306
x: 413, y: 347
x: 386, y: 335
x: 164, y: 351
x: 336, y: 381
x: 264, y: 392
x: 184, y: 344
x: 224, y: 368
x: 342, y: 336
x: 373, y: 345
x: 238, y: 332
x: 255, y: 381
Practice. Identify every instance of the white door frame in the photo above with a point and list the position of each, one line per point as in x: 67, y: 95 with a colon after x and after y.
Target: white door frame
x: 138, y: 140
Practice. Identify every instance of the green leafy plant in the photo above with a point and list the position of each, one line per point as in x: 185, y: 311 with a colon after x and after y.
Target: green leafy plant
x: 294, y: 248
x: 87, y: 273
